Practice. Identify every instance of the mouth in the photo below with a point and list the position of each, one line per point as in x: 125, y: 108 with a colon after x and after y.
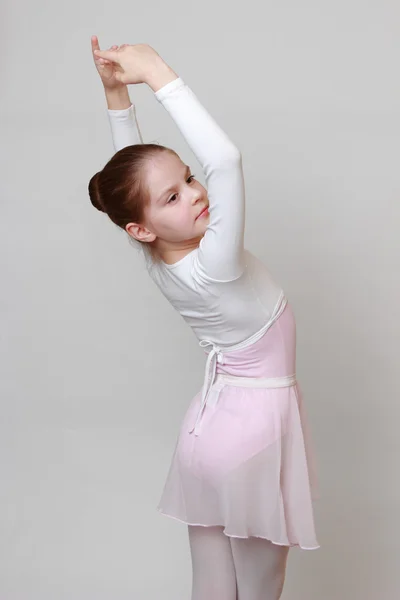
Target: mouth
x: 203, y: 213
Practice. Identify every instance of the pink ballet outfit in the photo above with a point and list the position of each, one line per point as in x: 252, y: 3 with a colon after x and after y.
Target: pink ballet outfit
x: 243, y: 458
x: 250, y: 467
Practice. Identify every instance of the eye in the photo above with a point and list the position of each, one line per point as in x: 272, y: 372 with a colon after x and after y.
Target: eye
x: 173, y: 198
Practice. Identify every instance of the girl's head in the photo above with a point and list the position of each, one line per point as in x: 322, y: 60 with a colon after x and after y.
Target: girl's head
x: 149, y: 192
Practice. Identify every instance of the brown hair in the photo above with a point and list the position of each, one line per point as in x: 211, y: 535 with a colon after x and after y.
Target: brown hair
x: 120, y: 191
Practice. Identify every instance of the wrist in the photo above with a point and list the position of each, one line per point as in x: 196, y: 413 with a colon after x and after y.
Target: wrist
x: 117, y: 97
x: 162, y: 75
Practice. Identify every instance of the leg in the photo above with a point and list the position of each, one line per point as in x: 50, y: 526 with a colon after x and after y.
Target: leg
x: 260, y: 568
x: 214, y: 575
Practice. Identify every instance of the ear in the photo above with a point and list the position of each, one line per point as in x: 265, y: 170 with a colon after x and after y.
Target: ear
x: 140, y: 233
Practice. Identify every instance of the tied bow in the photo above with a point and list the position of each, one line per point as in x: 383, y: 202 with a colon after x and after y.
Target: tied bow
x: 214, y: 356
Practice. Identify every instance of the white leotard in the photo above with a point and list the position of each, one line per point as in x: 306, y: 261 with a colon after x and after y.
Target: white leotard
x: 225, y: 294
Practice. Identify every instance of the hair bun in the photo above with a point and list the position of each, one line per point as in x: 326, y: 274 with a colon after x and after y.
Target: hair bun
x: 94, y: 192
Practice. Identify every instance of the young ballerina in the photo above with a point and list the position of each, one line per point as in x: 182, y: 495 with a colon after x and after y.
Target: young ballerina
x: 242, y: 475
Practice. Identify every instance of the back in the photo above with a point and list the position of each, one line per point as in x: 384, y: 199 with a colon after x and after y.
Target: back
x: 225, y: 312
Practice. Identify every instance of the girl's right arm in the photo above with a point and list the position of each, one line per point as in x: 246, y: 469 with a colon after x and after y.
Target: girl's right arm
x: 122, y: 118
x: 221, y: 253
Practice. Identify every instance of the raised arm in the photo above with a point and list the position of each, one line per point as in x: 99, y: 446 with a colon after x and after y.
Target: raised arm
x: 122, y: 118
x: 221, y: 251
x: 121, y: 113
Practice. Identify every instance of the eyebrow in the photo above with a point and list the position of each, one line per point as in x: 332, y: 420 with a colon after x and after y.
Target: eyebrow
x: 171, y: 188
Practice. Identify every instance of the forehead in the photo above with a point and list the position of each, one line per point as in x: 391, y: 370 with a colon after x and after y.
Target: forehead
x: 164, y: 169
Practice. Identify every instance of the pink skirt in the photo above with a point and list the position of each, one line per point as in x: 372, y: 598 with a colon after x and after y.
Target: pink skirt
x: 252, y: 468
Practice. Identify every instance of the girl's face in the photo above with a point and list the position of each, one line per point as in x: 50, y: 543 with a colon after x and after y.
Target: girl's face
x: 176, y: 201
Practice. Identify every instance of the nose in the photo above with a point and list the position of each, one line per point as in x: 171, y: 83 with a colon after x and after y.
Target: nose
x: 196, y: 196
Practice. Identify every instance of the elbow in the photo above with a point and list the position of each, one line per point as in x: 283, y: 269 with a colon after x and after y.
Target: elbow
x: 234, y: 154
x: 228, y: 159
x: 231, y: 157
x: 237, y: 158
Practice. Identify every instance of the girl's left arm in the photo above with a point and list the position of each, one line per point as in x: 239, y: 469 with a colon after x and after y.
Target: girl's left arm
x: 122, y: 118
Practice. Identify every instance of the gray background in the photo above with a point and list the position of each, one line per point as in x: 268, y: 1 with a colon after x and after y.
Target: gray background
x: 97, y: 369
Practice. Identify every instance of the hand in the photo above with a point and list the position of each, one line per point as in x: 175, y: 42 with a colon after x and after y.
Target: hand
x: 135, y: 63
x: 105, y: 68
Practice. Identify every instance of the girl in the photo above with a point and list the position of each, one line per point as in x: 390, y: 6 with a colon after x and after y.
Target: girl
x: 241, y: 475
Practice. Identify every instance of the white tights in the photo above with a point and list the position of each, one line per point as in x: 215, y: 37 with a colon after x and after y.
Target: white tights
x: 227, y: 568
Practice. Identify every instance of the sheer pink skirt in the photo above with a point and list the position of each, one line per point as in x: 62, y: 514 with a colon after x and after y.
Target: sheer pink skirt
x: 252, y: 468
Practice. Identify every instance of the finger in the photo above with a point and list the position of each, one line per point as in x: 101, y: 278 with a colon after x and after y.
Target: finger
x: 112, y: 49
x: 107, y: 55
x: 107, y: 62
x: 95, y: 46
x: 95, y: 43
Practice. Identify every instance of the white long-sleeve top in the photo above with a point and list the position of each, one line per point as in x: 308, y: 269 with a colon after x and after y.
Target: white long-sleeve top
x: 225, y: 294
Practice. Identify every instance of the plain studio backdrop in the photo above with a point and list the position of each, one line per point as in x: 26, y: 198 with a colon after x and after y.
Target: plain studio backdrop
x: 97, y: 369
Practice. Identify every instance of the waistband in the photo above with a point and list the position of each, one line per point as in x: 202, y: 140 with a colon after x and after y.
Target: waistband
x: 216, y: 355
x: 221, y: 380
x: 255, y: 382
